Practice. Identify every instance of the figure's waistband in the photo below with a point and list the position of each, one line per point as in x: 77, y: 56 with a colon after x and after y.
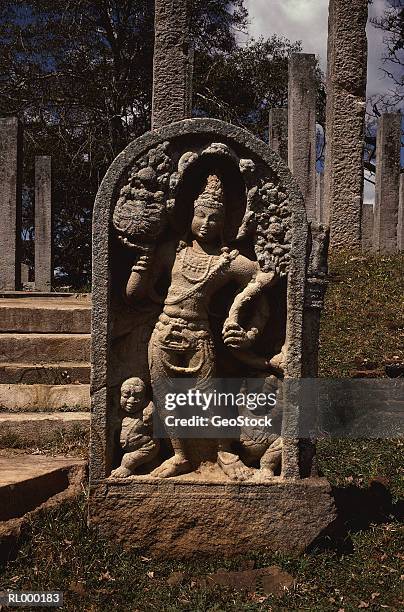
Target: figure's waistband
x: 197, y: 326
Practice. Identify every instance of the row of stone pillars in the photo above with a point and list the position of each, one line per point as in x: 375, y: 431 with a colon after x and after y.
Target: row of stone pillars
x: 12, y: 272
x: 292, y: 134
x: 334, y: 197
x: 383, y: 223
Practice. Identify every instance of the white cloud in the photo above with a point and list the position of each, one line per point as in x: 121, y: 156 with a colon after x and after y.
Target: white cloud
x: 307, y: 20
x: 304, y: 20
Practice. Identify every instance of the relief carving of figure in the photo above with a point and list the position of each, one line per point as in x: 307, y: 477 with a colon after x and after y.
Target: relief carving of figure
x: 182, y: 343
x: 137, y: 428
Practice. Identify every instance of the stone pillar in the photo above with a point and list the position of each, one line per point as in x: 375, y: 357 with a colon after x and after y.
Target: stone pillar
x: 388, y: 148
x: 320, y: 212
x: 367, y: 227
x: 43, y: 224
x: 189, y: 82
x: 171, y: 63
x: 10, y: 203
x: 278, y: 131
x: 302, y: 127
x: 400, y: 224
x: 345, y: 119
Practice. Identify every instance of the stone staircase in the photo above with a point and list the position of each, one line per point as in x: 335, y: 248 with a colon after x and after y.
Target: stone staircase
x: 44, y: 406
x: 44, y: 364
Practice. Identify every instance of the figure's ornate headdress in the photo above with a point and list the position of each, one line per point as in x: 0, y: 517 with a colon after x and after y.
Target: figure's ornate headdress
x: 212, y: 195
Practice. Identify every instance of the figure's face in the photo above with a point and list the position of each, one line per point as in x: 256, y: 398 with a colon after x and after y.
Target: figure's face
x: 207, y: 224
x: 132, y: 396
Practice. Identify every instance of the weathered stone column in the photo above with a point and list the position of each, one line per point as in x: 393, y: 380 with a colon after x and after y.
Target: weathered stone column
x: 400, y: 224
x: 278, y: 131
x: 10, y: 203
x: 302, y: 127
x: 345, y: 119
x: 189, y: 81
x: 43, y: 224
x: 387, y: 183
x: 367, y: 227
x: 320, y: 212
x: 171, y: 63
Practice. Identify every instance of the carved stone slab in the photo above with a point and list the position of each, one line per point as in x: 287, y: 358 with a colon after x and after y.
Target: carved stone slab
x: 171, y: 187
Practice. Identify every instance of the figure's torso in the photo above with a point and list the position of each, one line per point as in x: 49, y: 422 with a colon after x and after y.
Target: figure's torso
x: 195, y: 277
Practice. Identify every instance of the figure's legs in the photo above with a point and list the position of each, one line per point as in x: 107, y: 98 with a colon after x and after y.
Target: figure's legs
x: 131, y: 461
x: 160, y: 377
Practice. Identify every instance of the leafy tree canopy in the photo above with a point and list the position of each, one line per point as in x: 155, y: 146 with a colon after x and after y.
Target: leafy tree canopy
x: 78, y: 73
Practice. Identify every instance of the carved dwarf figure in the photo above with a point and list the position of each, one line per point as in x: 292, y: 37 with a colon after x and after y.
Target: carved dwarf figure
x: 137, y: 428
x: 182, y: 341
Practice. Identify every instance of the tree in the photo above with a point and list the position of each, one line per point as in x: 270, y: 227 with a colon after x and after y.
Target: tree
x: 241, y: 87
x: 392, y: 24
x: 79, y: 75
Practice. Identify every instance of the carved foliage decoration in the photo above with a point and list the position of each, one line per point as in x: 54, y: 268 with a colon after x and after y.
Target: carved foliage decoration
x: 148, y: 199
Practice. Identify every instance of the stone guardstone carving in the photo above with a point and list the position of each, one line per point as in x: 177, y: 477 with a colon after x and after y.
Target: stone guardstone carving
x: 204, y: 267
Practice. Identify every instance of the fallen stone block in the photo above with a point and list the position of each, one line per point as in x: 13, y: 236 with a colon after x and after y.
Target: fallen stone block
x: 271, y: 580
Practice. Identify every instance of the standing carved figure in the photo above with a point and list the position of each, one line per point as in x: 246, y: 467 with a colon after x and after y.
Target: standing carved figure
x: 182, y: 341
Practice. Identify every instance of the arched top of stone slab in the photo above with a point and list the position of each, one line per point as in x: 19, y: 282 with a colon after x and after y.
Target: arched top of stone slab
x: 287, y: 254
x: 267, y: 180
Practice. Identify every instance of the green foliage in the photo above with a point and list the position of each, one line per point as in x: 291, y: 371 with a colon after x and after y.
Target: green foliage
x: 241, y: 87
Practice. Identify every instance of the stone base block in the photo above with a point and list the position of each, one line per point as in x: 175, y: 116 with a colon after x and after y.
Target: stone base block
x: 183, y: 517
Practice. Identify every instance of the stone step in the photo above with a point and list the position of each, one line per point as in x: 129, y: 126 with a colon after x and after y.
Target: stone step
x: 39, y: 428
x: 45, y: 373
x: 44, y: 348
x: 32, y: 398
x: 45, y: 294
x: 45, y: 315
x: 26, y: 481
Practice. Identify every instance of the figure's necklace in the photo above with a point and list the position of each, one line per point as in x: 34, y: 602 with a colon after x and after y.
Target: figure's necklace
x: 196, y: 268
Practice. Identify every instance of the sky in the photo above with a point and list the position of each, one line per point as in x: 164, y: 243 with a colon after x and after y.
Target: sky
x: 307, y: 20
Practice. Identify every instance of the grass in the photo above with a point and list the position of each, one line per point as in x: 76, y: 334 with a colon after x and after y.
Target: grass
x: 362, y: 331
x: 73, y: 443
x: 363, y: 321
x: 61, y: 552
